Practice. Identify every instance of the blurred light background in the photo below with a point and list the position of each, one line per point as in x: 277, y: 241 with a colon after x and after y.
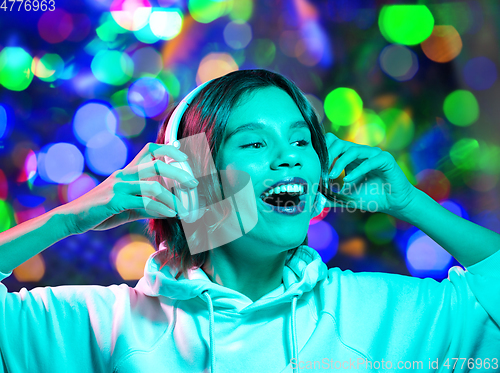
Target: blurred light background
x: 85, y: 86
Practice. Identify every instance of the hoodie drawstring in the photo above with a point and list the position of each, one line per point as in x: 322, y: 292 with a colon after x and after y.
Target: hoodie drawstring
x: 211, y: 330
x: 295, y: 347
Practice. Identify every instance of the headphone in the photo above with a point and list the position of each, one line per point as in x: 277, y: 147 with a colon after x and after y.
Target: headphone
x: 189, y: 197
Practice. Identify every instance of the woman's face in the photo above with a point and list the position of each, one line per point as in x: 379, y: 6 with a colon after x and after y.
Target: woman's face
x: 276, y: 145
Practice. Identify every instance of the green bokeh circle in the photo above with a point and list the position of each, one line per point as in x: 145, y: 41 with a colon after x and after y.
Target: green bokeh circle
x: 406, y: 24
x: 15, y: 68
x: 112, y: 67
x: 461, y: 108
x: 343, y: 106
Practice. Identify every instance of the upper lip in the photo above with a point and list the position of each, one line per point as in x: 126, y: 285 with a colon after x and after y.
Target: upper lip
x: 288, y: 180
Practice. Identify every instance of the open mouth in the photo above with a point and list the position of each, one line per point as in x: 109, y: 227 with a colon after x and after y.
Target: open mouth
x: 285, y: 195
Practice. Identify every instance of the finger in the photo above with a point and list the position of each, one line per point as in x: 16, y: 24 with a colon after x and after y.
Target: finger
x: 153, y: 189
x: 152, y: 149
x: 151, y: 209
x: 330, y: 138
x: 350, y: 155
x: 335, y: 150
x: 381, y: 161
x: 157, y: 168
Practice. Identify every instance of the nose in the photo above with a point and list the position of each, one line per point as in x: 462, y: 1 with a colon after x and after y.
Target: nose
x: 286, y: 155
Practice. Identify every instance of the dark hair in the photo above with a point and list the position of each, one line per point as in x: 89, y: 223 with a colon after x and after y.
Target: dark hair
x: 209, y: 112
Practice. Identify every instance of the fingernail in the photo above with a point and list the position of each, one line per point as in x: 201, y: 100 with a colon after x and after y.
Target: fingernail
x: 183, y: 155
x: 193, y: 182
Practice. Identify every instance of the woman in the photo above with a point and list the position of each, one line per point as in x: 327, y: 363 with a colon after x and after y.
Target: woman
x: 264, y: 302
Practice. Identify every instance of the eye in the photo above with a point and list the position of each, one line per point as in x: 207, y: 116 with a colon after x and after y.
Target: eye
x: 249, y: 145
x: 302, y: 142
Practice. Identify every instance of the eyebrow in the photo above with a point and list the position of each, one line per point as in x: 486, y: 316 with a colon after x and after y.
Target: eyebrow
x: 259, y: 126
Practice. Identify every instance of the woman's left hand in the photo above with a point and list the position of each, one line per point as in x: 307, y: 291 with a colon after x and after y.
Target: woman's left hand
x: 374, y: 181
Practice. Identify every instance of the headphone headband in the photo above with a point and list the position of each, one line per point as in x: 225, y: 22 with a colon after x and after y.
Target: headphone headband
x: 175, y: 118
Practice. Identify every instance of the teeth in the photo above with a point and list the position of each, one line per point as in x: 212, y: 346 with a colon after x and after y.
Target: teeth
x: 290, y: 188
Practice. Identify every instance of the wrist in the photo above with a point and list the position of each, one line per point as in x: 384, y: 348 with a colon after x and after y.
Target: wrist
x: 65, y: 220
x: 413, y: 208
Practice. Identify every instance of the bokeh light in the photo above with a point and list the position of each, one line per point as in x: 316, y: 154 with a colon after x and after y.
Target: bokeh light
x: 480, y: 181
x: 30, y: 167
x: 55, y: 26
x: 91, y: 119
x: 148, y: 97
x: 489, y: 158
x: 323, y: 237
x: 354, y: 247
x: 265, y: 52
x: 399, y: 129
x: 48, y: 68
x: 80, y: 186
x: 15, y: 68
x: 425, y: 257
x: 465, y: 153
x: 443, y: 45
x: 215, y: 65
x: 21, y: 215
x: 147, y: 62
x: 206, y: 11
x: 480, y: 73
x: 399, y: 62
x: 241, y: 10
x: 31, y: 270
x: 461, y: 108
x: 453, y: 207
x: 3, y: 121
x: 311, y: 47
x: 131, y: 15
x: 6, y: 215
x: 343, y: 106
x: 434, y: 183
x: 129, y: 124
x: 105, y: 153
x: 380, y: 228
x: 129, y: 256
x: 369, y: 129
x: 112, y: 67
x: 145, y: 35
x: 166, y: 24
x: 406, y: 24
x: 60, y: 163
x: 4, y: 186
x: 237, y: 34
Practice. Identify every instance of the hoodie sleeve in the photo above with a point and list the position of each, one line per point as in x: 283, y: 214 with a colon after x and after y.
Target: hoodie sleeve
x: 401, y: 318
x: 57, y: 329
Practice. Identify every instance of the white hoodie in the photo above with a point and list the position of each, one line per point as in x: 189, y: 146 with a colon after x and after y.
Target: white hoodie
x: 317, y: 319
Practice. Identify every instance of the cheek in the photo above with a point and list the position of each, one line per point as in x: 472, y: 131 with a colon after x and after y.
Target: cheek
x: 238, y: 174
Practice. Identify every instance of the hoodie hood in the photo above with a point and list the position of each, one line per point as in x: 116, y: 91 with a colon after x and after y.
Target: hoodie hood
x: 300, y: 275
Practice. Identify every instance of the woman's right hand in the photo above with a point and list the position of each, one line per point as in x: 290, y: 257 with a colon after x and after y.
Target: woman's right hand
x: 125, y: 195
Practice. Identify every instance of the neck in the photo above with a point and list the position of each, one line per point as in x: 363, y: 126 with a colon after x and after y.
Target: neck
x: 250, y: 275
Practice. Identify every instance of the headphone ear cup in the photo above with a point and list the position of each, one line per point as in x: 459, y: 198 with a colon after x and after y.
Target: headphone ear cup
x: 319, y: 205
